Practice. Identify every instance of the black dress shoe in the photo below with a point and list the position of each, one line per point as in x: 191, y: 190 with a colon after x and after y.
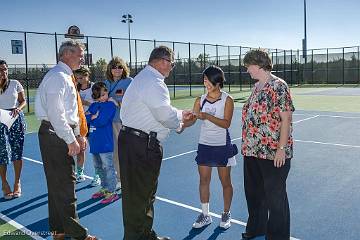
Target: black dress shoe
x: 248, y: 236
x: 163, y: 238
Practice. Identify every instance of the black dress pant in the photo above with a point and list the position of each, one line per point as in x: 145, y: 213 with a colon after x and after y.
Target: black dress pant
x: 60, y: 177
x: 266, y: 197
x: 139, y: 172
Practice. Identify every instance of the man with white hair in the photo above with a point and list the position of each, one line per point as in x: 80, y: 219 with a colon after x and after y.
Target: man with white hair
x: 58, y: 109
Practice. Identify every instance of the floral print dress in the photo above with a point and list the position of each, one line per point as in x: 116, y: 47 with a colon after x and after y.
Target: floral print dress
x: 261, y: 120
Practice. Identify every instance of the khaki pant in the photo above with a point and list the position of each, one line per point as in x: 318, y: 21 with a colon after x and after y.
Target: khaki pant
x: 116, y: 130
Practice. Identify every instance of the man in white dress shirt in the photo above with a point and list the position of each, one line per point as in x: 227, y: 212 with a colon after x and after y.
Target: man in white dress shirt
x: 56, y: 107
x: 147, y: 118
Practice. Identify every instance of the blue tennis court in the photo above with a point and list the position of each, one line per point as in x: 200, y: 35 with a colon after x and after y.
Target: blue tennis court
x: 323, y: 187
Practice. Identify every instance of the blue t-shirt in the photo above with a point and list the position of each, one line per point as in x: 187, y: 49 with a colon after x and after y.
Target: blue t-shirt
x: 116, y: 91
x: 100, y: 129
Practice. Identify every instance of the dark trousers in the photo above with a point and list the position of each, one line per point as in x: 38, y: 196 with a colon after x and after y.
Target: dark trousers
x: 60, y: 177
x: 139, y: 172
x: 266, y: 197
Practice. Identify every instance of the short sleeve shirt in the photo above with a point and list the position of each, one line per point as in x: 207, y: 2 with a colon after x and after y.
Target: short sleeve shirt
x: 86, y: 95
x: 9, y: 98
x: 261, y: 120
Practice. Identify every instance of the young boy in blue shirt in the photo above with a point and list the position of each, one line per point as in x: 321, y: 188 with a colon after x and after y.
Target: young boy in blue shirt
x: 99, y: 117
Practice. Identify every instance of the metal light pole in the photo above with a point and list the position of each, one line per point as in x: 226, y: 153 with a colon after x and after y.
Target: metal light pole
x: 304, y: 43
x: 127, y: 18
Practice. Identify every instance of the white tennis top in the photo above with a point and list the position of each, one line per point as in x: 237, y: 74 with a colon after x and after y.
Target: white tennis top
x: 211, y: 134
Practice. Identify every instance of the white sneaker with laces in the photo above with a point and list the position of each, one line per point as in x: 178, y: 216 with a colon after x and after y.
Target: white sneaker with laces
x: 96, y: 181
x: 225, y: 220
x: 202, y: 221
x: 80, y: 178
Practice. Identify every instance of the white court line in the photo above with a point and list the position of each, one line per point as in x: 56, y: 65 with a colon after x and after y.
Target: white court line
x: 234, y: 139
x: 20, y: 227
x: 305, y: 119
x: 178, y: 155
x: 328, y: 115
x: 32, y: 160
x: 337, y: 116
x: 210, y: 213
x: 197, y: 210
x: 36, y: 161
x: 166, y: 200
x: 324, y: 143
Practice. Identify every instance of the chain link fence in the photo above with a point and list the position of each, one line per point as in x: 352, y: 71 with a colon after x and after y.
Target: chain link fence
x: 38, y: 53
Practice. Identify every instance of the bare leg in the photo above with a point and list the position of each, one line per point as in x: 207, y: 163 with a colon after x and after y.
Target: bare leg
x: 17, y: 169
x: 204, y: 186
x: 5, y: 185
x: 225, y: 178
x: 3, y: 169
x: 17, y: 185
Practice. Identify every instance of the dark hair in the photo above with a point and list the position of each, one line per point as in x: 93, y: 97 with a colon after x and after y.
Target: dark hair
x: 82, y: 71
x: 258, y: 57
x: 215, y: 75
x: 116, y: 61
x: 96, y: 89
x: 161, y: 52
x: 5, y: 84
x: 3, y: 62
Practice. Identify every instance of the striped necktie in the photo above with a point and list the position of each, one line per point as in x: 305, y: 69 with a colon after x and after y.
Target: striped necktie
x: 81, y: 113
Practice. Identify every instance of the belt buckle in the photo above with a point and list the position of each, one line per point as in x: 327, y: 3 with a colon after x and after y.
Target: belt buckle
x: 137, y: 133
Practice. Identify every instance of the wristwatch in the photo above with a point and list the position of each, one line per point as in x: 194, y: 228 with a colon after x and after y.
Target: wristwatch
x: 282, y: 147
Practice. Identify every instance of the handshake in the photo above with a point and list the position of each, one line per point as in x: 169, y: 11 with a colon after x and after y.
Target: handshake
x: 188, y: 119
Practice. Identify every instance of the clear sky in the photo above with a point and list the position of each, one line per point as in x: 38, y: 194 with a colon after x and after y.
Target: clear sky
x: 253, y: 23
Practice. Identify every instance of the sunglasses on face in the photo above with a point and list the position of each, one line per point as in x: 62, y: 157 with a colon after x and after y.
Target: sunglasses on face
x: 117, y: 67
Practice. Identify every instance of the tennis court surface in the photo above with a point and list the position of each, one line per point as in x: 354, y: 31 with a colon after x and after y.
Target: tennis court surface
x: 323, y: 186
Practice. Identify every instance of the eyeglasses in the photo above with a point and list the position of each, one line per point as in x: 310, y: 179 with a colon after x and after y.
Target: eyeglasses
x: 171, y: 62
x: 117, y: 67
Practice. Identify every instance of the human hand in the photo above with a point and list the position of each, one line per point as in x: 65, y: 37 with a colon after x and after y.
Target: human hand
x: 15, y: 112
x: 74, y: 148
x: 82, y: 142
x: 202, y: 115
x: 188, y: 115
x: 279, y: 160
x: 94, y: 116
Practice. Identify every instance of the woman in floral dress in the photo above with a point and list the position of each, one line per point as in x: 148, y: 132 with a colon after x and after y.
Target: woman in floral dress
x: 267, y: 146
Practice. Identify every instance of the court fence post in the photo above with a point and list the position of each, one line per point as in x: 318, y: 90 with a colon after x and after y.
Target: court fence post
x: 190, y: 67
x: 27, y: 73
x: 111, y: 47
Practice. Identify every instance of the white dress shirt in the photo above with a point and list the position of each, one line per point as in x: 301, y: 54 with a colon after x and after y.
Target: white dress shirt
x: 146, y: 104
x: 56, y: 102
